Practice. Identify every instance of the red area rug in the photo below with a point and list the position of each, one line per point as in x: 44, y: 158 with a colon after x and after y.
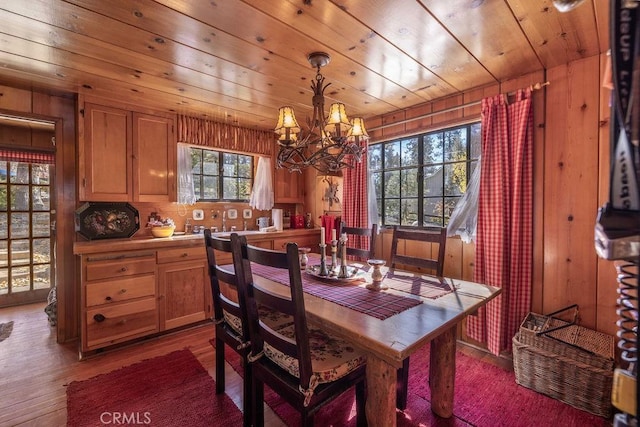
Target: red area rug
x: 485, y: 396
x: 166, y: 391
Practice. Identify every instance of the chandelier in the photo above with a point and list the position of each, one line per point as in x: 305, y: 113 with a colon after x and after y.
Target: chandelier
x: 331, y: 142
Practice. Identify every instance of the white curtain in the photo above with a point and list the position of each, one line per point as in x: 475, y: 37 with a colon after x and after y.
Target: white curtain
x: 186, y: 192
x: 262, y: 192
x: 464, y: 218
x: 372, y: 203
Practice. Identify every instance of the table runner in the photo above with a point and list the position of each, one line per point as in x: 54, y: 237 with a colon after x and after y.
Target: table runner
x: 426, y: 286
x: 380, y: 305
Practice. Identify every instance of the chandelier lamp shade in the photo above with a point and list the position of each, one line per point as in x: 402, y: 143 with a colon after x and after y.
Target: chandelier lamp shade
x: 330, y: 143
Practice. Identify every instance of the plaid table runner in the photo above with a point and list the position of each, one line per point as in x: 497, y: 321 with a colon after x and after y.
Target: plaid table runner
x: 380, y: 305
x: 426, y: 286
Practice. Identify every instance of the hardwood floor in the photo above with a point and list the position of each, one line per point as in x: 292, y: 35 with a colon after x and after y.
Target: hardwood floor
x: 34, y: 369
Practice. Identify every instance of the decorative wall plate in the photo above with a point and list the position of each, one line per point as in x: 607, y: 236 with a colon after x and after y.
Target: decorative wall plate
x: 198, y: 214
x: 105, y: 220
x: 232, y: 214
x: 247, y: 213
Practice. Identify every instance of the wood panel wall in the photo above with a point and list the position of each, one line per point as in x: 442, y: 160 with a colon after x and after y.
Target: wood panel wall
x: 571, y: 166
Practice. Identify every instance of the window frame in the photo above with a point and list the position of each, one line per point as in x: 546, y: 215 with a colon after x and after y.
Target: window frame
x: 221, y: 175
x: 444, y: 200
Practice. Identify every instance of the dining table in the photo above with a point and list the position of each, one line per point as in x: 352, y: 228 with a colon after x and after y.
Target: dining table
x: 409, y: 311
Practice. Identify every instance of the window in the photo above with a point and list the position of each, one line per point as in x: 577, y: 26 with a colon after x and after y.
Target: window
x: 221, y: 176
x: 419, y: 179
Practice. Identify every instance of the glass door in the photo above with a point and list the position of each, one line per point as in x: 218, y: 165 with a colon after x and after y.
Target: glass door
x: 26, y: 236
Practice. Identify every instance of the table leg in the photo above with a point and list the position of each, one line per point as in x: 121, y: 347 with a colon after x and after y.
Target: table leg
x: 381, y: 393
x: 442, y: 372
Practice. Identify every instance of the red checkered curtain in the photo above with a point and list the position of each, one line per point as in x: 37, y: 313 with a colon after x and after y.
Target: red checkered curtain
x: 355, y: 212
x: 504, y: 242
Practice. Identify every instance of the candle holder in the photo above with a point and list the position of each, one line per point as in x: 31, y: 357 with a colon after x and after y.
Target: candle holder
x: 304, y: 259
x: 323, y: 260
x: 334, y: 257
x: 344, y: 272
x: 376, y: 275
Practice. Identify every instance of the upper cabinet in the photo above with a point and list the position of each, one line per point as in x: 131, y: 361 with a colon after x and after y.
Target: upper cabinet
x: 288, y: 186
x: 154, y: 159
x: 126, y: 156
x: 105, y: 159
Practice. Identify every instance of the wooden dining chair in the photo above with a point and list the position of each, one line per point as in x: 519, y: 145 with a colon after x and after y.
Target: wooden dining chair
x: 230, y: 319
x: 306, y: 366
x: 434, y: 263
x: 354, y: 233
x: 231, y: 326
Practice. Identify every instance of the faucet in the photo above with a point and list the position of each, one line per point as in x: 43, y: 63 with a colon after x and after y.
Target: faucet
x: 224, y: 221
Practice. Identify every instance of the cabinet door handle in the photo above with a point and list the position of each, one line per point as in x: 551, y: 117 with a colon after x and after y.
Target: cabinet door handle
x: 123, y: 269
x: 122, y: 291
x: 185, y: 254
x: 99, y: 318
x: 108, y: 298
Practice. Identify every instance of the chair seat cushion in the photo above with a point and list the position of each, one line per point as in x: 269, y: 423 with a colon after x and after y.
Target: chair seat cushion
x: 331, y: 357
x: 274, y: 319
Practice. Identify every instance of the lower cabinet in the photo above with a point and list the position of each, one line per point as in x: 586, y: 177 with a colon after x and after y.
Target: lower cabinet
x: 184, y: 296
x: 311, y: 240
x: 129, y: 293
x: 119, y: 298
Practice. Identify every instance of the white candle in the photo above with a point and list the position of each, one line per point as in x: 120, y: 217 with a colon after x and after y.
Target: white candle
x: 322, y: 235
x: 333, y: 234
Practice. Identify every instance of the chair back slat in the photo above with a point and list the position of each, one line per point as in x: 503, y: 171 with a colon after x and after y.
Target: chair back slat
x: 435, y: 235
x: 221, y: 302
x: 360, y: 233
x: 291, y: 302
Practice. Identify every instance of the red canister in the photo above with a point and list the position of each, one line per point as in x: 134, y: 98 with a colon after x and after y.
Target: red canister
x: 297, y: 221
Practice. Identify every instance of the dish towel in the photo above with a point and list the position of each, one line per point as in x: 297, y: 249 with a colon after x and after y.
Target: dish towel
x: 262, y: 193
x: 330, y: 222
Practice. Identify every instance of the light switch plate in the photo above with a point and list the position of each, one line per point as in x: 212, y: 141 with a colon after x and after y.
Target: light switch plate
x: 247, y: 213
x: 232, y: 214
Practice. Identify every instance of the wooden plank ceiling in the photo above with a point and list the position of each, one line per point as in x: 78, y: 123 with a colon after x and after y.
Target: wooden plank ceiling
x: 238, y: 61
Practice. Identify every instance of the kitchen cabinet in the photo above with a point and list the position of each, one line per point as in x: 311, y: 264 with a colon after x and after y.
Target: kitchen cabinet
x: 105, y: 160
x: 126, y: 156
x: 309, y: 240
x: 119, y: 298
x: 137, y: 287
x: 288, y: 187
x: 184, y: 294
x: 154, y: 159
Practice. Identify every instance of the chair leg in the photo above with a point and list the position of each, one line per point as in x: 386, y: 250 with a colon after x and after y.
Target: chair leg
x: 257, y: 402
x: 247, y: 395
x: 219, y: 365
x: 361, y: 400
x: 402, y: 385
x: 307, y: 419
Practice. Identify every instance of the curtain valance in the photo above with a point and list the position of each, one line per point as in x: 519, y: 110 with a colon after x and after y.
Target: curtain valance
x: 23, y: 156
x: 208, y: 133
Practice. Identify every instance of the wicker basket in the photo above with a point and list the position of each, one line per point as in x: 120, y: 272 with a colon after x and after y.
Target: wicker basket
x: 572, y: 364
x: 566, y: 339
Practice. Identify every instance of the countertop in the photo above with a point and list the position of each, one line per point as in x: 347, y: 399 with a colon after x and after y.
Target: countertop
x: 176, y: 241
